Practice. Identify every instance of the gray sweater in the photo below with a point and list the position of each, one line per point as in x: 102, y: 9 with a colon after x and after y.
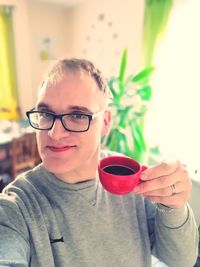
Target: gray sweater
x: 45, y: 222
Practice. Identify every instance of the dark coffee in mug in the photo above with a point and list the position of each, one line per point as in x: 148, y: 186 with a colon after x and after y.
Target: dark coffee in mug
x: 118, y: 170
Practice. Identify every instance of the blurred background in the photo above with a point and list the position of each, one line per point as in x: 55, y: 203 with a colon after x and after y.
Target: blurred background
x: 148, y: 50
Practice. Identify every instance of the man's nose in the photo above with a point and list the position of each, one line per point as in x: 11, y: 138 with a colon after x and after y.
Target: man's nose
x: 58, y: 131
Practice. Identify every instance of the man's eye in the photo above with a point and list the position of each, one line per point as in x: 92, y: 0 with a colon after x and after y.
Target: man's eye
x: 45, y: 115
x: 78, y: 116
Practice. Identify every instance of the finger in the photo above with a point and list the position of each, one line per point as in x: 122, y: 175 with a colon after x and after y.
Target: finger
x: 164, y: 168
x: 174, y: 201
x: 169, y: 191
x: 164, y: 192
x: 179, y: 176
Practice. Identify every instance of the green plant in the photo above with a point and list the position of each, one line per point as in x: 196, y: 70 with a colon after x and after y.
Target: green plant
x: 131, y: 96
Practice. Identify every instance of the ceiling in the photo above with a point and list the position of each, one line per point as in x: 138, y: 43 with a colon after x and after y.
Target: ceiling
x: 66, y: 3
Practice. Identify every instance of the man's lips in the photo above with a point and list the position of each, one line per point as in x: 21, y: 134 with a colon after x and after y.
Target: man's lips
x: 59, y: 148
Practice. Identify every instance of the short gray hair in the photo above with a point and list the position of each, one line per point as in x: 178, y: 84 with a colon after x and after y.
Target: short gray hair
x: 57, y: 71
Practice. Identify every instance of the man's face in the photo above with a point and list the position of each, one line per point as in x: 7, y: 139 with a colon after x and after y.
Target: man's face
x: 69, y: 155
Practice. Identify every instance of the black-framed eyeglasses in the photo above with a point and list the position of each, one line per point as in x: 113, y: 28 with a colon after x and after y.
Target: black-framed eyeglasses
x: 73, y: 122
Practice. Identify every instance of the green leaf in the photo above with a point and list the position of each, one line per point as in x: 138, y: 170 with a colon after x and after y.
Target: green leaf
x: 112, y: 81
x: 122, y: 143
x: 124, y: 116
x: 122, y: 68
x: 155, y: 150
x: 138, y: 136
x: 107, y: 138
x: 113, y: 141
x: 137, y: 150
x: 138, y: 140
x: 143, y: 75
x: 127, y: 124
x: 145, y: 92
x: 128, y: 80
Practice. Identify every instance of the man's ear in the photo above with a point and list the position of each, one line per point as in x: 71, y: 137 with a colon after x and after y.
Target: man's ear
x: 106, y: 123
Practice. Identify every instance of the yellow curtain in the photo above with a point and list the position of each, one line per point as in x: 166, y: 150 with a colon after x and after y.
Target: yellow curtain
x: 156, y: 15
x: 9, y: 108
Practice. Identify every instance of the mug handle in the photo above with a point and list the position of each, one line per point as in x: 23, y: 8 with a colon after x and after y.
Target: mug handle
x: 143, y: 169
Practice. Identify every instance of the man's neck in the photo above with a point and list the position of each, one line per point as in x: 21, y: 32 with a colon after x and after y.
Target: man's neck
x: 74, y: 178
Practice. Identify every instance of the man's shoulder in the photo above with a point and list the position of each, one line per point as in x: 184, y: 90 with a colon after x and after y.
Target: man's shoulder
x: 21, y: 185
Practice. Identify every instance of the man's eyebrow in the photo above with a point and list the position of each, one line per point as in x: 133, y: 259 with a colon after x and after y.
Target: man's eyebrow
x: 42, y: 105
x: 79, y: 108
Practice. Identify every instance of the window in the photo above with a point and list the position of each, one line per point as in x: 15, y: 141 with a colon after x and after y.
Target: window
x: 8, y: 82
x: 174, y: 115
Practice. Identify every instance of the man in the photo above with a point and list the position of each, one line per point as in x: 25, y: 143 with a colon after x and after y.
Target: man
x: 59, y: 215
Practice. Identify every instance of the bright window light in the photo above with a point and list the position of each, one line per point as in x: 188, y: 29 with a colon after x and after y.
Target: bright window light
x: 173, y: 121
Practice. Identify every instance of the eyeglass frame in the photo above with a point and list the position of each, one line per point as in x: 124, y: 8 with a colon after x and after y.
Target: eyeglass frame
x: 60, y: 116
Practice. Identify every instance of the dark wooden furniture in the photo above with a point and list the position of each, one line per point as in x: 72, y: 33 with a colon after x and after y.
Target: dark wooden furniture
x: 24, y: 154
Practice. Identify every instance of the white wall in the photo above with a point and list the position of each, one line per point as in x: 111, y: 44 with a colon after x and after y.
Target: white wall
x: 22, y: 51
x: 32, y: 23
x: 103, y: 39
x: 77, y: 32
x: 53, y: 22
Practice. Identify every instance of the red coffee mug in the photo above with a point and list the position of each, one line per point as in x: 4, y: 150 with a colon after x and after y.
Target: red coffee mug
x: 119, y: 174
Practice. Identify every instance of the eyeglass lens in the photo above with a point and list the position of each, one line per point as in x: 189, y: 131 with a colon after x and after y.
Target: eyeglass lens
x: 74, y: 122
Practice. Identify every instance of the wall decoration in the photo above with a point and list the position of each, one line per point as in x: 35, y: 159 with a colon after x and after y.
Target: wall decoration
x: 46, y: 49
x: 115, y: 35
x: 84, y: 51
x: 101, y: 17
x: 102, y: 32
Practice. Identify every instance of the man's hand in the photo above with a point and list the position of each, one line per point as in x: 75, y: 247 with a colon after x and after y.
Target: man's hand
x: 167, y: 183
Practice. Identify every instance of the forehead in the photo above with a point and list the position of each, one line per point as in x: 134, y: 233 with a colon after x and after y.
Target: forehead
x: 74, y: 89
